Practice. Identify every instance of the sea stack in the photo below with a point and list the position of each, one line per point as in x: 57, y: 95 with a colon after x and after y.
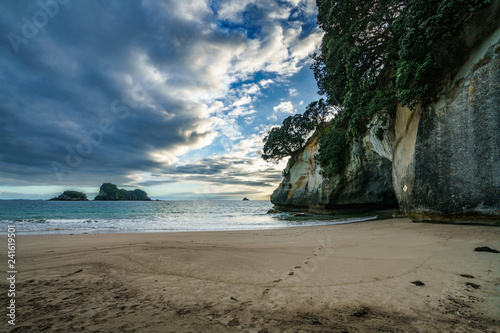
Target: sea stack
x: 110, y: 192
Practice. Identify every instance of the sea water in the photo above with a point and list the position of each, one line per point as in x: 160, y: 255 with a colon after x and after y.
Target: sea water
x: 78, y: 217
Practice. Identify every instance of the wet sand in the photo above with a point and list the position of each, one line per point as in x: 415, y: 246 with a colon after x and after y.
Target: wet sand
x: 344, y: 278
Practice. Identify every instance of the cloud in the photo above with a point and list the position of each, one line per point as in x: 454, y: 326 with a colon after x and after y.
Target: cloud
x: 285, y: 107
x: 273, y: 118
x: 148, y: 183
x: 243, y: 101
x: 229, y: 173
x: 107, y: 91
x: 249, y: 120
x: 266, y: 83
x: 240, y: 171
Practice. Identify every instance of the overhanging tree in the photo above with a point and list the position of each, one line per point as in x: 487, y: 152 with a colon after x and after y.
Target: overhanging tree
x: 358, y: 55
x: 317, y: 113
x: 287, y: 139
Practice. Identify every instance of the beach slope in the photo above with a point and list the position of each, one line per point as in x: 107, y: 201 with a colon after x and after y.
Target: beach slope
x: 343, y: 278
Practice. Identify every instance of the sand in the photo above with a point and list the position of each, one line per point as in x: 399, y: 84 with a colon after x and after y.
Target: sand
x: 344, y: 278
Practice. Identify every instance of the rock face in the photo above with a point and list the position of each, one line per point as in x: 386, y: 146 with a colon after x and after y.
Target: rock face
x: 71, y: 196
x: 441, y: 162
x: 365, y: 184
x: 446, y: 164
x: 110, y: 191
x: 302, y: 188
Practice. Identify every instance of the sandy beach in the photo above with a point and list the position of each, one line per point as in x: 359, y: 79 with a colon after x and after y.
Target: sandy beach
x: 344, y: 278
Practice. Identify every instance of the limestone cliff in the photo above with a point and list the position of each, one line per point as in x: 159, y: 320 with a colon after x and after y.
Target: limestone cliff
x: 447, y: 156
x: 441, y: 160
x: 303, y: 188
x: 364, y: 185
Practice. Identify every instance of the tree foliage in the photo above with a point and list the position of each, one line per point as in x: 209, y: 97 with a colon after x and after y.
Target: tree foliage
x: 333, y: 151
x: 317, y: 113
x: 357, y: 47
x: 379, y: 52
x: 285, y: 140
x: 426, y: 34
x: 374, y: 55
x: 289, y: 138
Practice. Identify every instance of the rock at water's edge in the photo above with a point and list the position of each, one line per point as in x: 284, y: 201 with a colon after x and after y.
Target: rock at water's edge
x: 365, y: 184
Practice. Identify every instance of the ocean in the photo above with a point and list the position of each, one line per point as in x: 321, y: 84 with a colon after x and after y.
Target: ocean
x: 79, y: 217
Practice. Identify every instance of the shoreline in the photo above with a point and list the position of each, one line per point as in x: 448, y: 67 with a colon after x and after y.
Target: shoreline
x: 351, y: 277
x: 321, y: 221
x: 138, y: 233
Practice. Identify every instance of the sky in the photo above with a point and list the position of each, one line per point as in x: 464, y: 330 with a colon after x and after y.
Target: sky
x: 173, y: 97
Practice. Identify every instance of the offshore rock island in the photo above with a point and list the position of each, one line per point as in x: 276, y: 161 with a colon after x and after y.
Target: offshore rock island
x: 71, y: 196
x: 107, y: 192
x: 110, y: 192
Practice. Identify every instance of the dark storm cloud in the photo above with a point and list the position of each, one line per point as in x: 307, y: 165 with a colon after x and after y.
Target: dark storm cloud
x: 156, y: 183
x: 97, y: 91
x: 204, y: 167
x: 66, y: 81
x: 229, y: 171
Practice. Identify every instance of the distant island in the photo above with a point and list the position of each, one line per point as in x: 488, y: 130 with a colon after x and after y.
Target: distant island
x: 246, y: 199
x: 71, y: 196
x: 110, y: 192
x: 107, y: 192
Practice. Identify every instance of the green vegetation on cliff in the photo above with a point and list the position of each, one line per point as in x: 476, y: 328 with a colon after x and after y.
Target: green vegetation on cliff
x: 110, y: 191
x: 334, y: 151
x: 374, y: 55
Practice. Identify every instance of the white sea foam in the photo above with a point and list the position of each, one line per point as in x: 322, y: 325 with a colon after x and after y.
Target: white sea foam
x: 52, y: 217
